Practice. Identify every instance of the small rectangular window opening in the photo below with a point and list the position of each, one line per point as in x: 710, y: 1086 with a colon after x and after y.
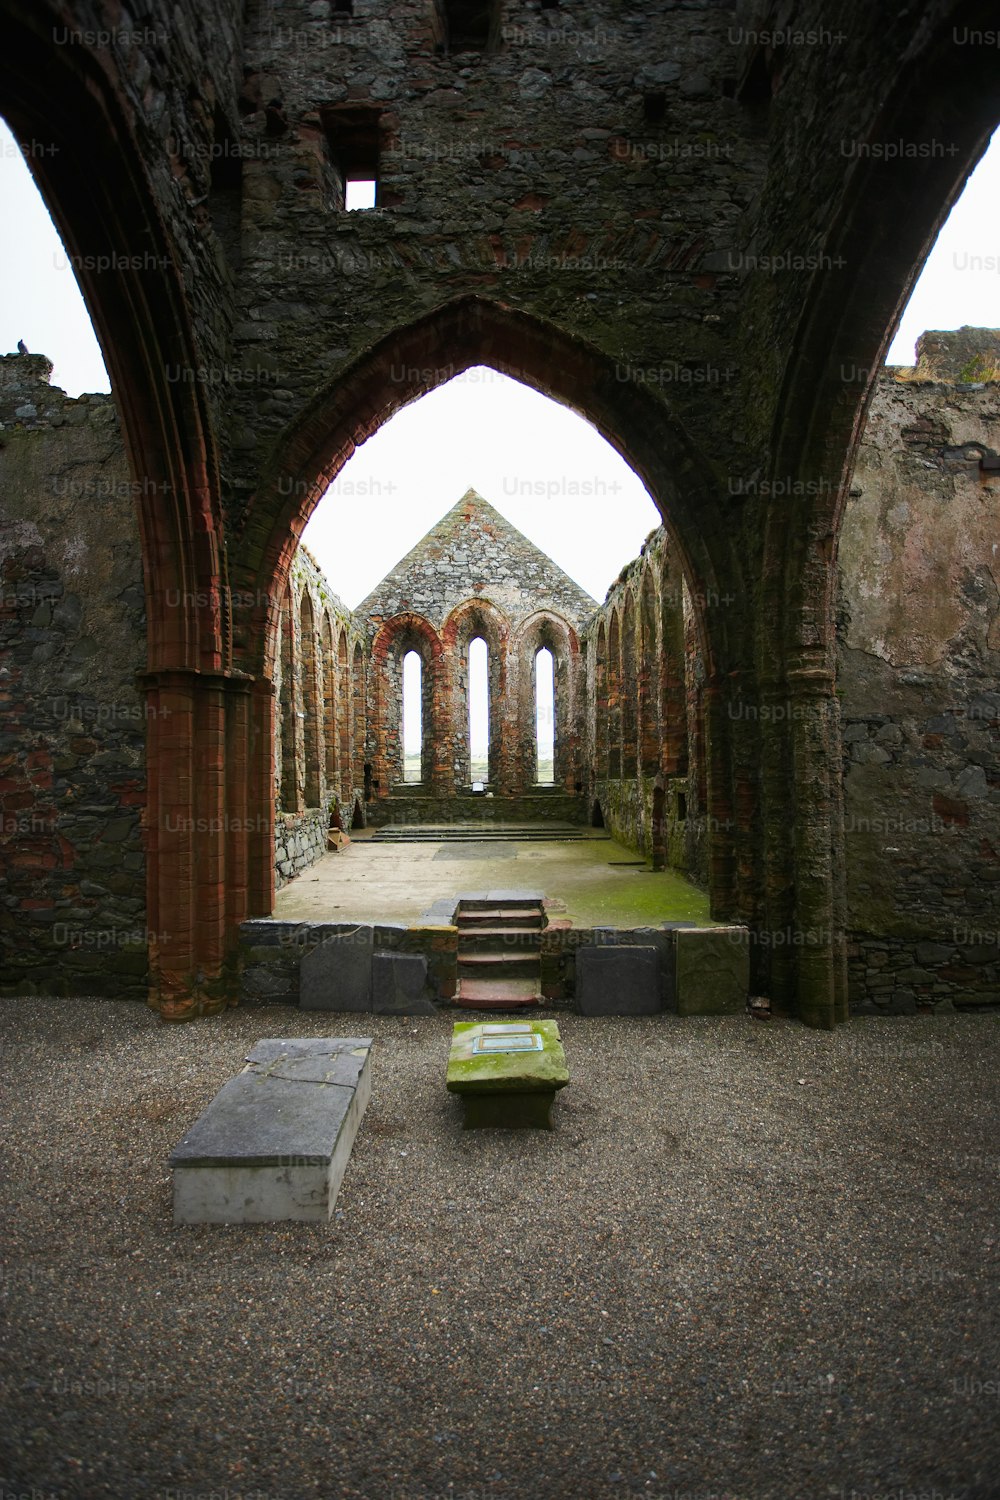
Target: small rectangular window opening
x: 359, y: 192
x: 353, y: 134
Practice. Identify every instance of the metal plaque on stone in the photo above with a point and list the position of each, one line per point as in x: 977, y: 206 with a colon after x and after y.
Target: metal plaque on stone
x: 521, y: 1042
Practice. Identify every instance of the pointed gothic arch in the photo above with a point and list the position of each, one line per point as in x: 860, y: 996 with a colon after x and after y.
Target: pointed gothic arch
x: 549, y: 631
x: 472, y: 618
x: 393, y: 641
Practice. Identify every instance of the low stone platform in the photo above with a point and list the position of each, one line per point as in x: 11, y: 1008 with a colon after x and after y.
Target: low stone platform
x: 507, y: 1074
x: 276, y: 1139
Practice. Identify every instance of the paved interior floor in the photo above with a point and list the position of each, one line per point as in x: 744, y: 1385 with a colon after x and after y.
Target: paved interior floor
x: 591, y: 881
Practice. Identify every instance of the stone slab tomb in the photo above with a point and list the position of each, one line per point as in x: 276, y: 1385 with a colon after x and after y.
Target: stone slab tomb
x: 507, y: 1074
x: 275, y: 1141
x: 618, y: 981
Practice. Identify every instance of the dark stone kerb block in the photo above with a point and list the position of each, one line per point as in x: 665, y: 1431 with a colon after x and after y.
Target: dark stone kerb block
x: 621, y: 981
x: 711, y: 970
x: 346, y: 972
x: 337, y: 975
x: 399, y: 985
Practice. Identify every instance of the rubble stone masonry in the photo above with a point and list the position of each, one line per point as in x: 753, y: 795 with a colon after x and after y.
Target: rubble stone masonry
x: 686, y: 221
x: 917, y: 671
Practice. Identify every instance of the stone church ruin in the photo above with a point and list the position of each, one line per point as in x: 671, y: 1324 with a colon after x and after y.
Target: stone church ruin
x: 790, y: 695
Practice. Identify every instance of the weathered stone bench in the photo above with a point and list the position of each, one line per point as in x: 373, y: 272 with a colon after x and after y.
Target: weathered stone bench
x: 276, y: 1139
x: 507, y: 1074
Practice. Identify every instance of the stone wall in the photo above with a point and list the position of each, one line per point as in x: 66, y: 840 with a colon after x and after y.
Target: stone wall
x: 919, y: 658
x: 271, y: 954
x: 515, y: 171
x: 549, y: 804
x: 319, y: 752
x: 644, y: 718
x: 475, y: 553
x: 300, y: 839
x: 474, y: 575
x: 338, y: 677
x: 72, y: 718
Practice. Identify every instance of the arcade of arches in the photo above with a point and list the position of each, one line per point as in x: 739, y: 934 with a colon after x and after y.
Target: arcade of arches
x: 668, y: 236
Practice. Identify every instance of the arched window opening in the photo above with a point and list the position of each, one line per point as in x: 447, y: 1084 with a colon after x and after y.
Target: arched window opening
x: 309, y: 704
x: 358, y: 690
x: 412, y: 728
x: 545, y: 737
x: 287, y: 786
x: 346, y: 715
x: 601, y: 705
x: 329, y: 706
x: 479, y: 709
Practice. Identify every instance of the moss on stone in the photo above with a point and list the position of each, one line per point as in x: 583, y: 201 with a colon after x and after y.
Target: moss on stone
x: 500, y: 1072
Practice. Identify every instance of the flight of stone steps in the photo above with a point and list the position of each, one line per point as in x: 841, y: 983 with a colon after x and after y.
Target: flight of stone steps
x: 499, y: 953
x: 486, y: 833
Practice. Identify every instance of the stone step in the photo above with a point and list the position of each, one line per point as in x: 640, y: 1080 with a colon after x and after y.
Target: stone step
x: 511, y: 903
x: 515, y: 965
x: 500, y: 940
x: 499, y: 962
x: 492, y: 918
x: 478, y: 836
x: 498, y: 994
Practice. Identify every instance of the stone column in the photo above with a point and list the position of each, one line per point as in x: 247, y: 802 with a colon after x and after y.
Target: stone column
x: 778, y: 976
x: 442, y: 724
x: 501, y: 715
x: 673, y: 700
x: 719, y: 810
x: 260, y: 798
x: 201, y: 829
x: 819, y: 947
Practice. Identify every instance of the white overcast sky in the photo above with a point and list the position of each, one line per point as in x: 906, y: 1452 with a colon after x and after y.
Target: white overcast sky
x: 545, y: 468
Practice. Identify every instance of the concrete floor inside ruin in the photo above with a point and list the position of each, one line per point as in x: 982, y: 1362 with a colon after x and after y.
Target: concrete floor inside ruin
x: 588, y: 881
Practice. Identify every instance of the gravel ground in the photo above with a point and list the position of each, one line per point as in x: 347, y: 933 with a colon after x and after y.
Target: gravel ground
x: 750, y: 1261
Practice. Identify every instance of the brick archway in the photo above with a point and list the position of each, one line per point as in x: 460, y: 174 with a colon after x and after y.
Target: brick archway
x: 73, y: 102
x: 423, y: 355
x: 887, y: 217
x: 473, y: 330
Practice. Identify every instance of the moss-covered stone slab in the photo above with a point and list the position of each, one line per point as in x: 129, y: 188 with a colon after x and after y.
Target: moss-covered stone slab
x: 711, y: 970
x: 509, y: 1088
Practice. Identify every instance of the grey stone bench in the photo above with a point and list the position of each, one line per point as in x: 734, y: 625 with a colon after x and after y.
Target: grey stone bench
x: 276, y: 1139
